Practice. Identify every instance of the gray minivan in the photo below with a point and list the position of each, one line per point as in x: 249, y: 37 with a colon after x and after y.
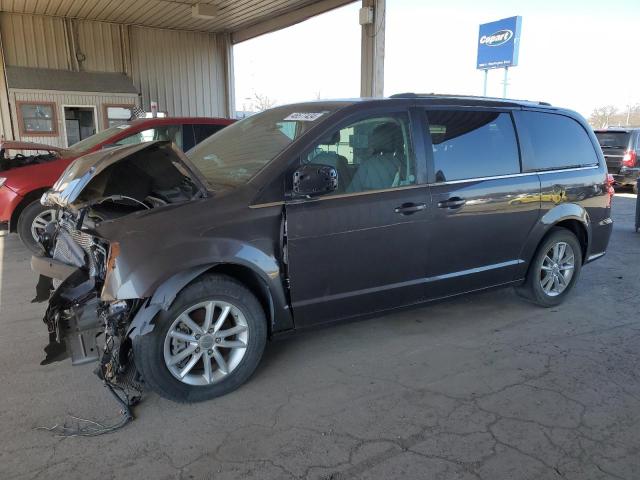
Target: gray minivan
x: 308, y: 214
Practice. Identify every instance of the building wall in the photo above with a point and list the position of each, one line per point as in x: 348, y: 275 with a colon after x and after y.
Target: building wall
x: 103, y: 45
x: 62, y: 99
x: 35, y: 41
x: 185, y: 72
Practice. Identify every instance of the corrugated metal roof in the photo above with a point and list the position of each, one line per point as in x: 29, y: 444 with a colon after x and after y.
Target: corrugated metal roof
x: 232, y: 15
x: 68, y: 81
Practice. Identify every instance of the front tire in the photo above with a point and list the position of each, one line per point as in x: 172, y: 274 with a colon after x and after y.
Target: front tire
x: 207, y: 344
x: 554, y: 270
x: 31, y: 223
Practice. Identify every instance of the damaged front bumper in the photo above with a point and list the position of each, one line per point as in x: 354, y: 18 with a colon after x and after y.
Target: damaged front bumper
x: 73, y: 320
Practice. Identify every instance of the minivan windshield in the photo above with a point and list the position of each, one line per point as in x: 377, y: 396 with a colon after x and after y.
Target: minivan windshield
x: 236, y: 153
x: 613, y: 139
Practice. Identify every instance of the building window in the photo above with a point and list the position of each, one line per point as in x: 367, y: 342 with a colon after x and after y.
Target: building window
x: 117, y: 114
x: 37, y: 119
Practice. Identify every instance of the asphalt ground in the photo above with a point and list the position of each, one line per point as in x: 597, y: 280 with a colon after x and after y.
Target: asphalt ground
x: 485, y: 386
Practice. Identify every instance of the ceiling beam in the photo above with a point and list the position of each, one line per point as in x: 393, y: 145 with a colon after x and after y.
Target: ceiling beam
x: 286, y: 19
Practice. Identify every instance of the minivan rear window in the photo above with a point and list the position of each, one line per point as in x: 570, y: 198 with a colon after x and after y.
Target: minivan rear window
x: 472, y: 144
x: 613, y: 139
x: 554, y: 141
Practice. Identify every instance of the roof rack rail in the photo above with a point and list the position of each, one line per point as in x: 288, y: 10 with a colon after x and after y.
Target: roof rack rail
x: 479, y: 97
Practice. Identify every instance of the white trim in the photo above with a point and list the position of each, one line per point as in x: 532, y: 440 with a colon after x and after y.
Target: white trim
x: 64, y: 120
x: 72, y: 92
x: 514, y: 175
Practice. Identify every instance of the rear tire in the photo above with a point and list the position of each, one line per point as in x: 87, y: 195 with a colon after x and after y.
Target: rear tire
x: 554, y: 269
x: 182, y: 335
x: 32, y: 220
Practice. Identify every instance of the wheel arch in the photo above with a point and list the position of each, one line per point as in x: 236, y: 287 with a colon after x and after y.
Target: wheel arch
x: 26, y: 200
x: 166, y: 293
x: 574, y: 218
x: 571, y: 216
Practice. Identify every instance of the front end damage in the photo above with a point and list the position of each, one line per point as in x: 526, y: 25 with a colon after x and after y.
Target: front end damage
x: 85, y: 319
x: 80, y: 324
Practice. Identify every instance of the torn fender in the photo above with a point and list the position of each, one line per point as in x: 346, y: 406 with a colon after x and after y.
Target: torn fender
x: 162, y: 300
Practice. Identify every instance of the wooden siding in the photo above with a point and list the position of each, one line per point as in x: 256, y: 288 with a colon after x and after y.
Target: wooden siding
x: 60, y: 99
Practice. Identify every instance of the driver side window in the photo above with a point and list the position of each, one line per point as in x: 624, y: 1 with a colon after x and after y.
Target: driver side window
x: 371, y: 154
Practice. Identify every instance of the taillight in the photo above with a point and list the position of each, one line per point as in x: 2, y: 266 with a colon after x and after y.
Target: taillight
x: 610, y: 190
x: 629, y: 159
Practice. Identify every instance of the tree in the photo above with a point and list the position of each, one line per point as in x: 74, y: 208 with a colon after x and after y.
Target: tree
x: 601, y: 116
x: 262, y: 102
x: 610, y: 116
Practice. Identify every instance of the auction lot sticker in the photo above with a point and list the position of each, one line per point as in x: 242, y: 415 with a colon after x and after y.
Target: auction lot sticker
x: 304, y: 117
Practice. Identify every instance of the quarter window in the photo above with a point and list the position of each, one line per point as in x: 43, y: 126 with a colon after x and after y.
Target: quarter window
x: 371, y: 154
x: 37, y: 119
x: 472, y: 144
x: 555, y: 141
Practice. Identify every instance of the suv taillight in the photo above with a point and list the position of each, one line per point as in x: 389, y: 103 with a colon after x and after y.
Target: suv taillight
x: 610, y: 190
x: 629, y: 159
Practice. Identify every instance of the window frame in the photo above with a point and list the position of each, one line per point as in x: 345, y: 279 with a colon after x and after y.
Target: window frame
x: 30, y: 133
x: 431, y: 173
x: 412, y: 113
x: 528, y: 148
x: 105, y: 111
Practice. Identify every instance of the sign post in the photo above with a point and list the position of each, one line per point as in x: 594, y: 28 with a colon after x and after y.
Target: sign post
x: 484, y: 88
x: 498, y: 46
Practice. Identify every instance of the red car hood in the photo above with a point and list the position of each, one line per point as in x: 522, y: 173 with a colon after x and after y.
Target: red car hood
x: 18, y: 145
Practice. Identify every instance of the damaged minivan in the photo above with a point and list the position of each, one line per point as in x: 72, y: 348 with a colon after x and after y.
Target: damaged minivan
x: 173, y: 270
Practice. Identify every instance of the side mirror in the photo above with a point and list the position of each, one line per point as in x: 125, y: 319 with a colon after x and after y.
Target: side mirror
x: 314, y: 179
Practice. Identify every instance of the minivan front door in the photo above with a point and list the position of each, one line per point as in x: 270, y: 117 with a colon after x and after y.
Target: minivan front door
x: 483, y: 208
x: 363, y: 248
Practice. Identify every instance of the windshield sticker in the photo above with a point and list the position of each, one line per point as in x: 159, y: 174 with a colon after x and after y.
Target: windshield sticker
x: 304, y: 117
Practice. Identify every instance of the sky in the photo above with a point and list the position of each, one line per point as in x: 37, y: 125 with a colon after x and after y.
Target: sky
x: 575, y: 54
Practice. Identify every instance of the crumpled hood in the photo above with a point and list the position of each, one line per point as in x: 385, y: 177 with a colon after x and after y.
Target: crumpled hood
x: 80, y: 172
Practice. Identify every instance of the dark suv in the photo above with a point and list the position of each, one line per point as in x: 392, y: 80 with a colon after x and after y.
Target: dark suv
x: 308, y: 214
x: 621, y: 148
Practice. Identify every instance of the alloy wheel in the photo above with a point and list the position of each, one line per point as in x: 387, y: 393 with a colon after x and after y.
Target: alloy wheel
x: 557, y: 269
x: 40, y: 222
x: 206, y: 343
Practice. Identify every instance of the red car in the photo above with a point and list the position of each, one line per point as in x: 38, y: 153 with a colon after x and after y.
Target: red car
x: 24, y: 178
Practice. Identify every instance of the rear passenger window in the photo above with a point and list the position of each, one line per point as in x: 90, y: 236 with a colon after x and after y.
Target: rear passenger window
x: 554, y: 141
x: 471, y: 144
x: 203, y: 131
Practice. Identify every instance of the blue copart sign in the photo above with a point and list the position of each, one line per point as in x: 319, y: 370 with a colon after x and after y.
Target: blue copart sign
x: 498, y: 43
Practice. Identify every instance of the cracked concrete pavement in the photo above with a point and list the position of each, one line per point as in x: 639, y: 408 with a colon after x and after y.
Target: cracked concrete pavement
x: 479, y: 387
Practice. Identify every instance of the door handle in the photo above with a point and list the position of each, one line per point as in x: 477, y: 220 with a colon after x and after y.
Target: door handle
x: 453, y: 202
x: 409, y: 208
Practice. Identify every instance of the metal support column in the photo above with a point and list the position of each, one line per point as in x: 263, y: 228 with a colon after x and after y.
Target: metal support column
x: 484, y: 88
x: 505, y: 82
x: 6, y: 128
x: 372, y: 51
